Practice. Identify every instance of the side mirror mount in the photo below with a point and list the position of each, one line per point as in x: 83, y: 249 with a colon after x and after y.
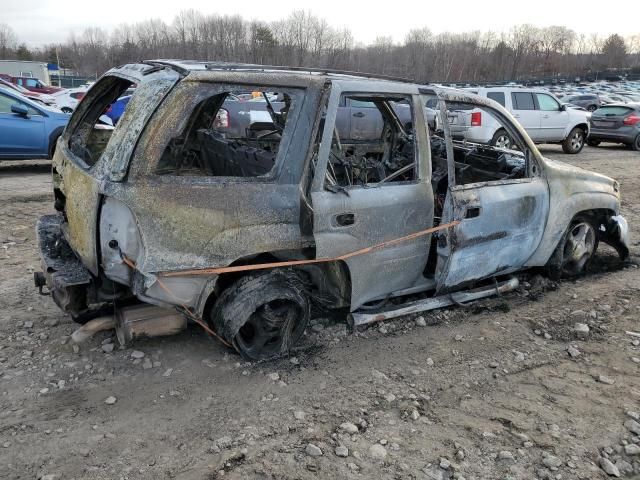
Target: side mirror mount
x: 563, y: 107
x: 20, y: 110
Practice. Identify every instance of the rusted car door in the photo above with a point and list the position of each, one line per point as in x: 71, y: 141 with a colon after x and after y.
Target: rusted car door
x: 348, y: 219
x: 501, y: 221
x: 90, y: 155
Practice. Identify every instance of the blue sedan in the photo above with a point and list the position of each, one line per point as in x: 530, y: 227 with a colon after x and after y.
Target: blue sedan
x: 27, y: 129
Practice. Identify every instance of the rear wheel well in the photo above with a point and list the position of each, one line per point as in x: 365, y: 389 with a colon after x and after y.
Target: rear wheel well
x: 583, y: 126
x: 330, y: 282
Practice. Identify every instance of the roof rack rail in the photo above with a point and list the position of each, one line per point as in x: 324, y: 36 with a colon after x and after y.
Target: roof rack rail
x: 325, y: 71
x: 181, y: 70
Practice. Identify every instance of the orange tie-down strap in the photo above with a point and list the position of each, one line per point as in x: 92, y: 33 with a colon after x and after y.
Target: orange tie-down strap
x: 292, y: 263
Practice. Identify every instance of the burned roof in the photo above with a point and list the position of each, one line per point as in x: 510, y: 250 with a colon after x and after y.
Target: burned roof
x: 187, y: 66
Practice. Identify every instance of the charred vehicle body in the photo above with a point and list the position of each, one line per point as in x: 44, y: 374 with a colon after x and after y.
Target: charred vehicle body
x: 245, y: 231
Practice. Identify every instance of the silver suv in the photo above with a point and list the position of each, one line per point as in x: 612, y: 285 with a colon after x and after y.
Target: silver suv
x: 544, y: 118
x: 242, y: 233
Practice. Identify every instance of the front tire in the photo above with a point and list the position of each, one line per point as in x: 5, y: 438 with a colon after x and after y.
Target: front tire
x: 574, y: 142
x: 262, y: 315
x: 592, y: 108
x: 576, y: 249
x: 636, y: 144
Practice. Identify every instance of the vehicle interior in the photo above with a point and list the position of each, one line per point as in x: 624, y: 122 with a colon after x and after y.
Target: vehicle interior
x: 475, y: 163
x: 389, y: 157
x: 209, y: 147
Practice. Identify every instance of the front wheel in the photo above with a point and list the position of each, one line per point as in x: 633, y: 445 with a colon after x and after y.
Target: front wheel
x: 575, y: 251
x: 262, y: 315
x: 592, y: 108
x: 636, y: 143
x: 574, y: 142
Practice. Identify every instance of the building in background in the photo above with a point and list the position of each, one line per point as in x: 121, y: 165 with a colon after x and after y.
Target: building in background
x: 23, y: 68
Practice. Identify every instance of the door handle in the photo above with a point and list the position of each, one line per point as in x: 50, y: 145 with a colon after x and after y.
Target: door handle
x: 358, y: 114
x: 545, y: 116
x: 345, y: 219
x: 516, y: 116
x: 472, y: 212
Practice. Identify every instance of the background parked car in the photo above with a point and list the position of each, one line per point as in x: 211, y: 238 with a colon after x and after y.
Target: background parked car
x: 356, y: 119
x: 28, y: 129
x: 67, y: 100
x: 116, y: 109
x: 31, y: 83
x: 589, y: 101
x: 619, y: 123
x: 36, y: 97
x: 544, y: 118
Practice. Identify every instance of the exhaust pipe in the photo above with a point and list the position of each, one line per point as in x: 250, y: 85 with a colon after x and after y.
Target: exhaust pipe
x: 140, y: 321
x: 92, y: 327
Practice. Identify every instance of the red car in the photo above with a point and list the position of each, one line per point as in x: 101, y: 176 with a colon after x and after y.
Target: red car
x: 32, y: 84
x: 38, y: 97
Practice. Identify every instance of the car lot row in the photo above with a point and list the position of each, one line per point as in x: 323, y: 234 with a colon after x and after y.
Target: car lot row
x: 32, y: 115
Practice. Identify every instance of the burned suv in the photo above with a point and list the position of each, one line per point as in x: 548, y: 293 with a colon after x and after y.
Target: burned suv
x: 243, y: 231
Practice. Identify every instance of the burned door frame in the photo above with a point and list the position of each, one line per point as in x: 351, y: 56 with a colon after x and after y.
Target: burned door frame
x: 502, y: 222
x: 188, y: 222
x: 379, y: 212
x: 82, y: 202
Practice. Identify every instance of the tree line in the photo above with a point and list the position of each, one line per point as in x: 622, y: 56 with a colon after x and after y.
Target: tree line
x: 302, y: 39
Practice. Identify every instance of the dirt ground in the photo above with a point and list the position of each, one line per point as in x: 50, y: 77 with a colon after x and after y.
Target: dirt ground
x: 483, y: 392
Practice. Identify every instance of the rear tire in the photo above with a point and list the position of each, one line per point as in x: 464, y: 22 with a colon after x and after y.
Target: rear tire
x: 593, y: 143
x: 262, y: 315
x: 574, y: 142
x: 502, y: 139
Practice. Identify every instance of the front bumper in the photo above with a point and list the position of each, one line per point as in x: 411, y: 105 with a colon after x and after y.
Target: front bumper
x: 617, y: 235
x: 64, y: 275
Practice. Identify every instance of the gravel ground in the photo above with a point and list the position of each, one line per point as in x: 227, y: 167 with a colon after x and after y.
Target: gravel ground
x: 509, y: 388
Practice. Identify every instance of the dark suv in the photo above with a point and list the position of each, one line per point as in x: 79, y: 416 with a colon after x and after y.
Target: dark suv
x: 587, y: 101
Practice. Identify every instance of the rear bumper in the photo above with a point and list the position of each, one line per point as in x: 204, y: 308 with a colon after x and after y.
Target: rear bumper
x: 64, y: 275
x: 472, y: 134
x: 626, y: 135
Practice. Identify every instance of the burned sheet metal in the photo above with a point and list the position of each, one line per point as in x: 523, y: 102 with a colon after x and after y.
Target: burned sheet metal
x: 118, y: 199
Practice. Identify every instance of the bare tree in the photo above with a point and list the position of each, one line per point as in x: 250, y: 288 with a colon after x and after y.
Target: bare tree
x: 8, y: 40
x: 303, y: 39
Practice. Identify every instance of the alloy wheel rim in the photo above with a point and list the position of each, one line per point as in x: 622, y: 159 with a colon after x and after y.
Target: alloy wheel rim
x: 576, y: 140
x: 579, y: 247
x: 503, y: 141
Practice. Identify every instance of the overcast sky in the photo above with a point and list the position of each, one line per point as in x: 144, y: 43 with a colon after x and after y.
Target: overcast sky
x: 45, y: 21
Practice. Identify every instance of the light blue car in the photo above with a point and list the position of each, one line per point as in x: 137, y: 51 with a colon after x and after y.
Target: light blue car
x: 27, y: 129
